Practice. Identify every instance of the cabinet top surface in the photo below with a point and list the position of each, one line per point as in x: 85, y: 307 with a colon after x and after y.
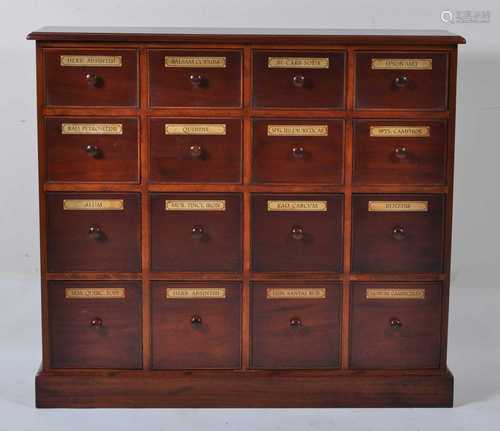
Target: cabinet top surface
x: 244, y: 35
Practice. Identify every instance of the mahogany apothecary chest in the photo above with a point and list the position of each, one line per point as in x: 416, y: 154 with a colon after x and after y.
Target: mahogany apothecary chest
x: 245, y: 218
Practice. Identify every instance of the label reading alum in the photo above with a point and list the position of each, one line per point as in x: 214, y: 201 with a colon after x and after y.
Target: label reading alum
x: 402, y: 63
x: 296, y: 293
x: 195, y: 205
x: 398, y: 206
x: 91, y: 129
x: 195, y: 293
x: 297, y: 206
x: 91, y: 60
x: 195, y: 129
x: 93, y: 204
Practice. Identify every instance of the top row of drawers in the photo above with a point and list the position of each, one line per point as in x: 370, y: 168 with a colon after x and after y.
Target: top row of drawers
x: 213, y: 78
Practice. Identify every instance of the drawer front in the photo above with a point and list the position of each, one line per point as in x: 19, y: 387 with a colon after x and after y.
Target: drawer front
x: 402, y: 80
x: 299, y: 79
x: 95, y: 324
x: 297, y: 233
x: 196, y: 232
x: 93, y: 232
x: 298, y: 151
x: 295, y: 325
x: 395, y: 325
x: 397, y: 233
x: 196, y: 325
x: 197, y: 150
x: 92, y: 149
x: 91, y: 77
x: 399, y: 152
x: 195, y: 78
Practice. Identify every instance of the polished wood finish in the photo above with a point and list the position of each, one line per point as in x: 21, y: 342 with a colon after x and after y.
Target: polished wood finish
x: 199, y: 241
x: 194, y: 86
x: 295, y: 333
x: 399, y: 160
x: 397, y: 241
x: 236, y: 352
x: 395, y: 333
x: 92, y: 158
x: 195, y: 158
x: 297, y: 159
x: 93, y: 240
x: 95, y: 333
x: 297, y: 87
x: 294, y: 241
x: 208, y: 327
x: 91, y: 85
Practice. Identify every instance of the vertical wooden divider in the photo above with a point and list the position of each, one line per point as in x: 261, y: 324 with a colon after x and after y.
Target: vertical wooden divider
x: 344, y: 362
x: 145, y: 219
x: 247, y: 178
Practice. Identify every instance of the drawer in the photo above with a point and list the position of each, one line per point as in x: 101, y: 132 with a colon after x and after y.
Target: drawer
x: 92, y: 149
x: 296, y: 325
x: 397, y: 233
x: 95, y: 324
x: 402, y: 80
x: 93, y: 232
x: 395, y: 325
x: 196, y: 325
x: 182, y: 78
x: 298, y: 151
x: 399, y: 152
x: 299, y: 232
x: 91, y: 77
x: 196, y: 232
x: 197, y: 150
x: 299, y: 79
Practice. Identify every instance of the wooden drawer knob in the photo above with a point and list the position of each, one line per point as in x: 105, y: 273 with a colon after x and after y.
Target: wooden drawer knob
x: 395, y: 323
x: 197, y: 232
x: 398, y: 233
x: 299, y: 80
x: 196, y: 321
x: 195, y: 151
x: 401, y: 153
x: 196, y: 80
x: 94, y: 80
x: 95, y: 232
x: 96, y: 322
x: 93, y: 151
x: 295, y: 322
x: 298, y: 152
x: 298, y: 233
x: 401, y: 81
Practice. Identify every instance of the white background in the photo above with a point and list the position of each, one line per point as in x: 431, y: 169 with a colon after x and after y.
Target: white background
x: 474, y: 355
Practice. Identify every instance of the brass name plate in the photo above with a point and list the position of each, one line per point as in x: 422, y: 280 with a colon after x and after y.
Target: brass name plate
x: 91, y: 129
x: 296, y: 293
x: 298, y: 62
x: 395, y: 293
x: 297, y: 206
x: 94, y: 293
x: 400, y: 131
x: 91, y: 60
x: 195, y: 129
x: 93, y: 204
x: 195, y: 293
x: 402, y: 63
x: 302, y: 130
x: 195, y: 205
x: 210, y: 62
x: 398, y: 206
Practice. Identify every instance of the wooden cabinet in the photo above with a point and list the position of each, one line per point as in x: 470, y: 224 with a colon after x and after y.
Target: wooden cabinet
x: 245, y: 219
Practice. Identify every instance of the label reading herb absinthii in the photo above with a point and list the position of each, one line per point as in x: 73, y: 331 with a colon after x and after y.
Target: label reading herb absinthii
x: 195, y: 293
x: 91, y: 60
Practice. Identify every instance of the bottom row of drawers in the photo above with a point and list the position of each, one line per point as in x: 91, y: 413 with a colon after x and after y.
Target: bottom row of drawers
x: 197, y: 325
